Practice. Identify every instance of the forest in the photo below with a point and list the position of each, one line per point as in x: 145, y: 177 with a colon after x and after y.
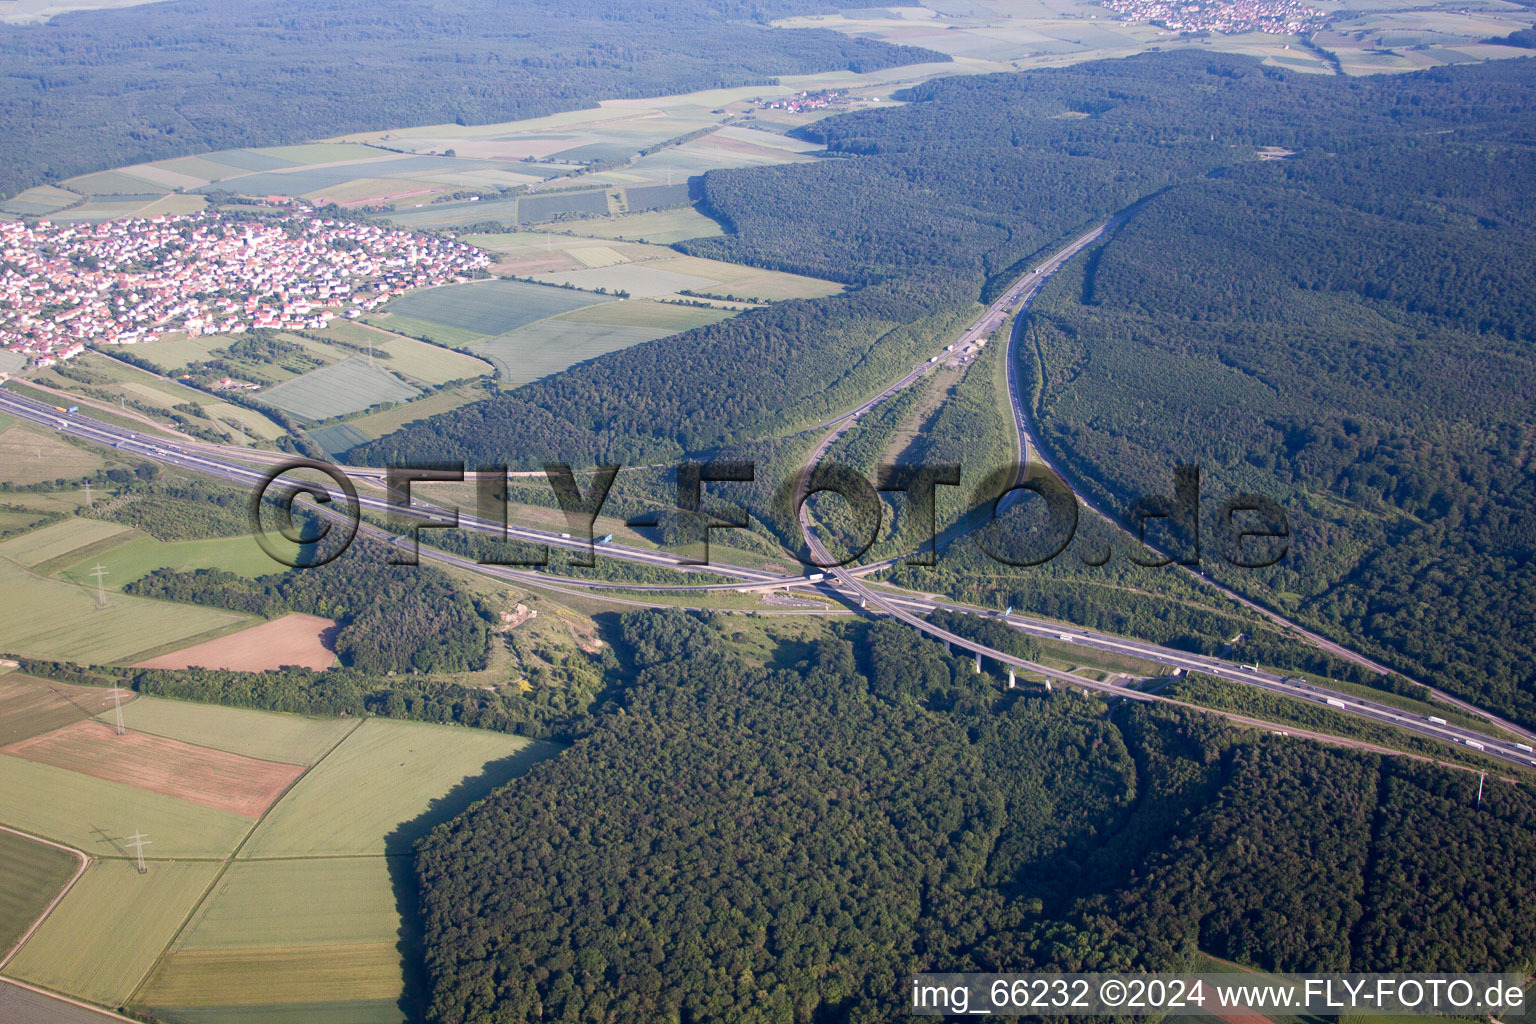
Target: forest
x: 923, y: 209
x: 788, y: 841
x: 1347, y: 331
x: 393, y: 618
x: 98, y: 89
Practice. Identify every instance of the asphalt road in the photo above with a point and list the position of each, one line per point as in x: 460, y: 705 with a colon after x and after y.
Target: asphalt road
x: 843, y: 582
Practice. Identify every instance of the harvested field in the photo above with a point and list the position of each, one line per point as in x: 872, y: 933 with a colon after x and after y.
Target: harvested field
x: 96, y: 816
x: 30, y: 707
x: 295, y: 639
x: 199, y: 775
x: 213, y: 977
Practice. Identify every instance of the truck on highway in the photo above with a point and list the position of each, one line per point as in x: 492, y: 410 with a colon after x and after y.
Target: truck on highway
x: 1334, y: 702
x: 606, y: 538
x: 1525, y: 747
x: 1475, y: 745
x: 1437, y: 720
x: 1068, y: 637
x: 816, y: 577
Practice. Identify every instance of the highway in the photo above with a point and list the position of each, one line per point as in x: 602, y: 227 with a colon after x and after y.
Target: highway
x: 909, y: 610
x: 845, y: 583
x: 1030, y: 448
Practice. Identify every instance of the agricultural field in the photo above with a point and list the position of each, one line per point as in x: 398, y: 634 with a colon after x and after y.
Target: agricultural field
x: 244, y: 424
x: 209, y: 778
x: 30, y: 707
x: 349, y: 386
x: 139, y: 555
x: 415, y: 360
x: 31, y: 875
x: 106, y: 935
x: 59, y: 540
x: 539, y: 209
x: 96, y: 815
x: 30, y: 455
x: 337, y: 438
x: 489, y: 308
x: 338, y: 959
x: 661, y: 227
x: 268, y: 735
x: 50, y: 618
x: 10, y: 361
x: 367, y: 797
x: 669, y: 277
x: 385, y: 421
x: 293, y: 639
x: 288, y: 932
x: 550, y: 346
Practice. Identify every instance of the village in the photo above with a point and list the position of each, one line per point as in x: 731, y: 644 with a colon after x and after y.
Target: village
x: 1228, y: 17
x: 125, y: 282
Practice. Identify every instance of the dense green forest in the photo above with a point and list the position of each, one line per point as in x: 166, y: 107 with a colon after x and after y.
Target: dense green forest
x: 923, y: 208
x: 98, y: 89
x: 790, y: 842
x: 1347, y: 331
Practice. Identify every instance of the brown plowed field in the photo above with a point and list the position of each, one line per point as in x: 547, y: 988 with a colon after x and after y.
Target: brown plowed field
x: 199, y: 775
x: 30, y: 707
x: 302, y: 640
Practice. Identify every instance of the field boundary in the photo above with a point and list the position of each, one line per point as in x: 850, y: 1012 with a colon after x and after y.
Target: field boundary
x: 234, y: 854
x: 109, y: 1014
x: 85, y: 862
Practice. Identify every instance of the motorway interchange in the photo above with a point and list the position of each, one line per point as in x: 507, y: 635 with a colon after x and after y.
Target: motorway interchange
x: 846, y: 585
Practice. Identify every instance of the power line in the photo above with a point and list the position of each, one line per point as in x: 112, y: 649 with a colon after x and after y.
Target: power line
x: 101, y: 590
x: 117, y: 699
x: 138, y: 841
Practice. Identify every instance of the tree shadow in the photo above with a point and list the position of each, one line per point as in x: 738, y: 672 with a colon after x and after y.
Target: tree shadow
x: 400, y: 856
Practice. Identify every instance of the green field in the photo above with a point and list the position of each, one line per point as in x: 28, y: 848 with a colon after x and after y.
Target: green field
x: 95, y: 815
x: 57, y: 540
x: 30, y: 455
x: 429, y: 364
x: 385, y: 775
x: 268, y: 735
x: 108, y: 932
x: 247, y: 421
x: 141, y: 555
x: 175, y: 351
x: 440, y: 334
x: 31, y: 875
x: 359, y: 983
x: 385, y: 421
x: 317, y: 902
x: 662, y: 227
x: 351, y: 385
x: 550, y: 346
x: 672, y: 318
x: 493, y: 307
x: 48, y: 618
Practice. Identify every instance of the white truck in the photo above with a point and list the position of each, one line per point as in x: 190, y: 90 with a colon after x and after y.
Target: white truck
x: 1334, y: 702
x: 1475, y: 745
x: 1436, y: 720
